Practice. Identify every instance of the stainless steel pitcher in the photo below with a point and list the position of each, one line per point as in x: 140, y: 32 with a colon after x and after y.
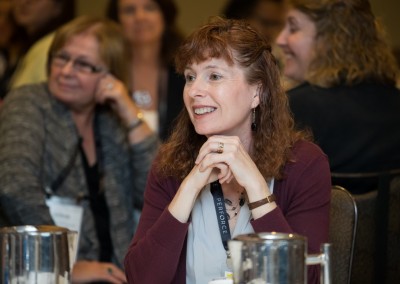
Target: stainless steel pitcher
x: 275, y: 258
x: 37, y: 254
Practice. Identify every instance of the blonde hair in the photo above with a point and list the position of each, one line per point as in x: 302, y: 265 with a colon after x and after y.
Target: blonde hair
x: 350, y: 43
x: 113, y: 48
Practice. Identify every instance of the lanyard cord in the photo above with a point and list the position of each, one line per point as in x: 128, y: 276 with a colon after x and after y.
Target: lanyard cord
x: 222, y: 216
x: 65, y: 171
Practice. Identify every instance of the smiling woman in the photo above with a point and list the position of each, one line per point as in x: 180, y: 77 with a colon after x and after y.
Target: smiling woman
x: 234, y: 155
x: 348, y: 96
x: 71, y: 140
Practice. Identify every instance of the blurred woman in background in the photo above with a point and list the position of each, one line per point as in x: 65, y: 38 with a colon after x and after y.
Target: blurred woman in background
x: 267, y: 16
x: 348, y: 96
x: 11, y: 45
x: 39, y: 19
x: 150, y: 27
x: 79, y: 139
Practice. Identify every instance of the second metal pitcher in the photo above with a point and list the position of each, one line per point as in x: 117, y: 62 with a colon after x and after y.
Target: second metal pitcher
x: 275, y: 258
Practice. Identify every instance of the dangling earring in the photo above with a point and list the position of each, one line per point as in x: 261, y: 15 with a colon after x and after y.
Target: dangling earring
x: 253, y: 120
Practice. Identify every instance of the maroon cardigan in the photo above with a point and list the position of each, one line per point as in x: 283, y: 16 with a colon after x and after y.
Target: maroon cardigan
x: 157, y: 253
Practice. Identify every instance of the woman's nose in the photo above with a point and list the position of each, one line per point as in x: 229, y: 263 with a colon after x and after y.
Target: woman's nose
x: 68, y: 68
x: 140, y: 13
x: 196, y: 89
x: 281, y: 39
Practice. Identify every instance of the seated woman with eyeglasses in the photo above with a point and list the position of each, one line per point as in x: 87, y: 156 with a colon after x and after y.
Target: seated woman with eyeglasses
x: 78, y: 138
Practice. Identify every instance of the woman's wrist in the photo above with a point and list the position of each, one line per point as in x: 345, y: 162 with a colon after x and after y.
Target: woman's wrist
x: 135, y: 123
x: 269, y: 199
x: 136, y: 127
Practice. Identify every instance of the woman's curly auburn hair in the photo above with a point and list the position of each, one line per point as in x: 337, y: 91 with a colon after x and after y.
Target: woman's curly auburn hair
x: 236, y: 42
x: 350, y: 43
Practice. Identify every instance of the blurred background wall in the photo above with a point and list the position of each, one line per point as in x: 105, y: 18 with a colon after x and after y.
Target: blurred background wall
x: 193, y: 13
x: 388, y: 12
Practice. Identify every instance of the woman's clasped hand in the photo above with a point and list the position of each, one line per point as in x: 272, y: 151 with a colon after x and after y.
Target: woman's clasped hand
x: 232, y: 162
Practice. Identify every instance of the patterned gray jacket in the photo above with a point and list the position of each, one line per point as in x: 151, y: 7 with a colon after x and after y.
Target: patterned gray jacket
x: 38, y: 138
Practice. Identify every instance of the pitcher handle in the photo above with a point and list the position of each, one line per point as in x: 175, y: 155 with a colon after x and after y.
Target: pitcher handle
x: 323, y: 259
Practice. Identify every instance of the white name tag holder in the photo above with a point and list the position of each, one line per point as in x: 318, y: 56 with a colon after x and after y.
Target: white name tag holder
x: 65, y: 212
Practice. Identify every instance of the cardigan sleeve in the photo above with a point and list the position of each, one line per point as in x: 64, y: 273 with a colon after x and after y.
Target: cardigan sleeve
x: 156, y: 253
x: 22, y: 137
x: 303, y: 199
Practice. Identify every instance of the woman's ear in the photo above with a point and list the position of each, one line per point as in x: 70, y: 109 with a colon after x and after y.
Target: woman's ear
x: 256, y: 101
x: 256, y: 97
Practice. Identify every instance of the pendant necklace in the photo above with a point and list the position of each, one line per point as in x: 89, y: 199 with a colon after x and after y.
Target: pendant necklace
x: 235, y: 208
x: 142, y: 98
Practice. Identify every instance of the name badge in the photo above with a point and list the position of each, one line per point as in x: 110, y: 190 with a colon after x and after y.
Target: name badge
x: 65, y: 212
x: 229, y: 275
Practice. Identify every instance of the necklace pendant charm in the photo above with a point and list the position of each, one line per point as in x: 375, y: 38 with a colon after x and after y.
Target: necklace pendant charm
x: 142, y: 98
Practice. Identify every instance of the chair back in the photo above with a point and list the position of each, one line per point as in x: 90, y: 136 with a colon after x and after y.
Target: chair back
x: 342, y: 232
x: 364, y: 250
x: 377, y: 251
x: 367, y: 259
x: 393, y: 242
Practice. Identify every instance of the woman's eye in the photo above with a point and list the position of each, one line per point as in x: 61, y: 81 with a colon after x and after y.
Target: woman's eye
x: 152, y: 7
x: 189, y: 78
x: 292, y: 27
x: 83, y: 64
x: 215, y: 77
x: 128, y: 10
x: 86, y: 67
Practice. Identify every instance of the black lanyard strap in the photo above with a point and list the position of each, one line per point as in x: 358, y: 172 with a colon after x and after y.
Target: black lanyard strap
x: 222, y: 216
x: 65, y: 171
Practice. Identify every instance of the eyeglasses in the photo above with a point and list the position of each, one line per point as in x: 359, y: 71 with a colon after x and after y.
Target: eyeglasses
x: 79, y: 65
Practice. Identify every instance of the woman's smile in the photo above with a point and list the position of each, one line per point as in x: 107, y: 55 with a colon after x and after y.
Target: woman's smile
x: 203, y: 110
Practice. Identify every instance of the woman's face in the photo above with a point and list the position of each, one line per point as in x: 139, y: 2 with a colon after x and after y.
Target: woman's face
x: 34, y: 14
x: 75, y: 71
x: 219, y: 99
x: 142, y: 21
x: 269, y: 18
x: 297, y: 41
